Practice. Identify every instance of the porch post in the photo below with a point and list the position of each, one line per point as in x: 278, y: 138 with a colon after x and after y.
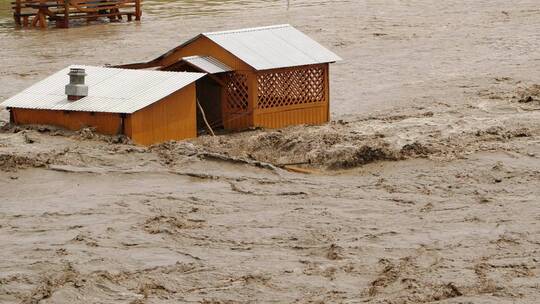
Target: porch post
x: 138, y: 11
x: 17, y: 13
x: 66, y: 14
x: 252, y: 97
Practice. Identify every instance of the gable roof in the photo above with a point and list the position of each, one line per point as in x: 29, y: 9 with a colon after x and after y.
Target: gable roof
x: 271, y: 47
x: 110, y: 90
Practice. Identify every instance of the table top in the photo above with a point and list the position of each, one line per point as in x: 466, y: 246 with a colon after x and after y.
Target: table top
x: 43, y: 5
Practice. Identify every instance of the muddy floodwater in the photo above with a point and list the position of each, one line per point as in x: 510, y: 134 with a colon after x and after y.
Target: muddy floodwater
x: 424, y: 188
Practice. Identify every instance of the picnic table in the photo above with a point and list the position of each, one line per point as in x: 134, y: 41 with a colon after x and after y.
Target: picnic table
x: 61, y: 11
x: 43, y: 10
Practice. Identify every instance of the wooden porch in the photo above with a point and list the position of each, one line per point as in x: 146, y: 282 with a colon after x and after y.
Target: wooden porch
x: 38, y: 13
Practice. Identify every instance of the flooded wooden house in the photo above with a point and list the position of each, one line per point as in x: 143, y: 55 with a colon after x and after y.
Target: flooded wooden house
x: 147, y: 106
x: 271, y: 76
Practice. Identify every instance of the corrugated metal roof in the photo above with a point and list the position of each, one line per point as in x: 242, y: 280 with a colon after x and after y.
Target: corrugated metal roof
x: 272, y: 47
x: 110, y: 90
x: 208, y: 64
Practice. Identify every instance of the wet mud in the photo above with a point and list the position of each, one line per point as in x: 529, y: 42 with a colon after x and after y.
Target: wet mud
x: 423, y: 189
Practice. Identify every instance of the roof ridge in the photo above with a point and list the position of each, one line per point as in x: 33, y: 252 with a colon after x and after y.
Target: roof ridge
x: 251, y: 29
x: 83, y: 66
x: 197, y: 56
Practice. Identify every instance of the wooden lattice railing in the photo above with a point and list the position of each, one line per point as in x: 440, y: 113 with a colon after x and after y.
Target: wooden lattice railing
x: 236, y: 92
x: 291, y: 87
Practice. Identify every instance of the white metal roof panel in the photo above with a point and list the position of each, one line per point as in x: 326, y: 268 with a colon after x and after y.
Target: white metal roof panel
x: 273, y: 47
x: 110, y: 90
x: 208, y: 64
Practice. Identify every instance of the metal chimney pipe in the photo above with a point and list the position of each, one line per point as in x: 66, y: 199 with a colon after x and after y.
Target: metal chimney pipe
x: 76, y: 89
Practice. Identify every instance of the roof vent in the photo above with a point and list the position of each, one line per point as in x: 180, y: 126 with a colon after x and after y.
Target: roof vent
x: 76, y: 89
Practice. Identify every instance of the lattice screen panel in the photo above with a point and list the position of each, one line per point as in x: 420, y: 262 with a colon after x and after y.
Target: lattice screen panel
x: 236, y: 92
x: 291, y: 87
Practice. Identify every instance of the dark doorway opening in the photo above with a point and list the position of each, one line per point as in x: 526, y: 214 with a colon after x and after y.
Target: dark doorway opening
x: 209, y: 98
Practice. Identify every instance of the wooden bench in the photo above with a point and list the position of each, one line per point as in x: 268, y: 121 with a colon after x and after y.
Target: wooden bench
x: 61, y: 11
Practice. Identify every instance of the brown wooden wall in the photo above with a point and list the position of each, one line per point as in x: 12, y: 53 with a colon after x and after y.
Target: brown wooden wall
x: 311, y: 115
x: 172, y: 118
x: 276, y: 98
x: 298, y: 95
x: 238, y: 98
x: 105, y: 123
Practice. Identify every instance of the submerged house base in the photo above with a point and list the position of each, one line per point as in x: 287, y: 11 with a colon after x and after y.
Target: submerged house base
x: 269, y: 77
x: 104, y: 123
x: 173, y: 117
x: 147, y: 106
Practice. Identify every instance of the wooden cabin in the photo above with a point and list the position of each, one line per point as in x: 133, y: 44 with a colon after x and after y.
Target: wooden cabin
x: 270, y: 77
x: 147, y: 106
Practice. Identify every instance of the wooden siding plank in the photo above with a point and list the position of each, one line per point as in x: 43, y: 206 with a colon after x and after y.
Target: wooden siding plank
x: 172, y: 118
x: 294, y: 114
x: 105, y: 123
x: 327, y: 90
x: 312, y: 116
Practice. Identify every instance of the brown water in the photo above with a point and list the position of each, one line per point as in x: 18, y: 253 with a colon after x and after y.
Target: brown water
x: 170, y: 9
x: 395, y: 53
x: 453, y: 218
